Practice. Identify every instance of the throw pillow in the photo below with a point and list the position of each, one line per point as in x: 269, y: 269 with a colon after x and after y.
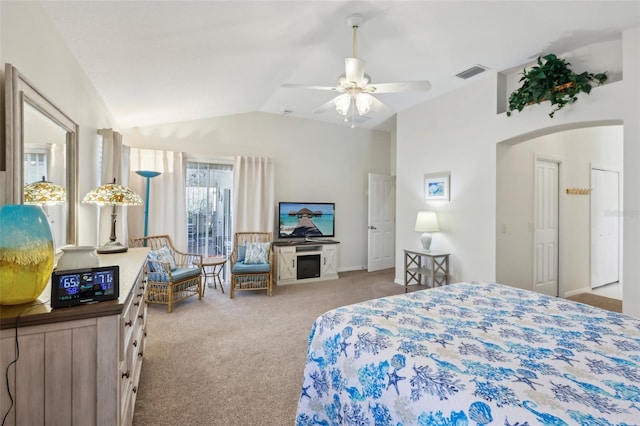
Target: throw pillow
x: 242, y: 251
x: 163, y: 254
x: 257, y: 253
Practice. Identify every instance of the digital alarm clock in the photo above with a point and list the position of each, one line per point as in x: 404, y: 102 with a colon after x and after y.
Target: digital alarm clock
x: 79, y: 286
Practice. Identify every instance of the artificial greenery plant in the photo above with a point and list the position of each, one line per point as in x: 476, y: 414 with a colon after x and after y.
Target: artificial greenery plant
x: 552, y: 80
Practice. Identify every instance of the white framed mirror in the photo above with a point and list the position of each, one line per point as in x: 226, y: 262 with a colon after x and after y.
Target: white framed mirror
x: 41, y: 141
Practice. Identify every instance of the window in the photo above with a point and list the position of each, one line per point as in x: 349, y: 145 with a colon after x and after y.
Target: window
x: 208, y: 196
x: 35, y: 167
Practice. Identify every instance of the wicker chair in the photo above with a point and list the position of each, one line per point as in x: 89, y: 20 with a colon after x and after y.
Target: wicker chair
x: 167, y: 283
x: 248, y: 276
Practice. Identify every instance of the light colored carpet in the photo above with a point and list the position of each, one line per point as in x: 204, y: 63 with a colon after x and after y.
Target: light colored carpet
x: 239, y: 362
x: 607, y: 303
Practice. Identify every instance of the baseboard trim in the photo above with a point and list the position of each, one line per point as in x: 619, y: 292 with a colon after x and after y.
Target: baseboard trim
x: 578, y: 291
x: 352, y: 268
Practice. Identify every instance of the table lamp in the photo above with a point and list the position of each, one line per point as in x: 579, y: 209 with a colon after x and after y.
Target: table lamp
x: 426, y: 222
x: 43, y: 192
x: 112, y: 194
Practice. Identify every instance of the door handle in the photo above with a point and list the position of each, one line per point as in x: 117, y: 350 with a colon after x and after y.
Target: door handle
x: 372, y: 227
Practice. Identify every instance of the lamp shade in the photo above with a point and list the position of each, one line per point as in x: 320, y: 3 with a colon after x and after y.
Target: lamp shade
x: 112, y: 194
x: 44, y: 192
x: 427, y: 222
x: 363, y: 103
x: 343, y: 102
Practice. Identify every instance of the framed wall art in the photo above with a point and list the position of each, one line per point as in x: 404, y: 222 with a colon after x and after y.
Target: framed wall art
x: 436, y: 186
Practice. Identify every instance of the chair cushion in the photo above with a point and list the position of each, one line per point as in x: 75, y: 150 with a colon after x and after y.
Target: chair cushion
x: 243, y: 268
x: 163, y: 254
x: 178, y: 274
x: 257, y: 253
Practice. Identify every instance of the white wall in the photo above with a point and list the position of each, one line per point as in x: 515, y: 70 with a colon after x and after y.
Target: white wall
x: 314, y: 161
x: 577, y: 150
x: 29, y: 42
x: 459, y: 132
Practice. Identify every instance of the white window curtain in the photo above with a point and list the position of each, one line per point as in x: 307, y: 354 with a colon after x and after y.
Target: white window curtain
x: 167, y: 203
x: 115, y: 164
x: 253, y: 194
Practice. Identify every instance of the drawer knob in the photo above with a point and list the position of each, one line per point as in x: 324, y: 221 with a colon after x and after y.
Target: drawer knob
x: 135, y: 389
x: 125, y: 375
x: 140, y: 354
x: 136, y: 304
x: 141, y: 316
x: 135, y: 343
x: 128, y: 323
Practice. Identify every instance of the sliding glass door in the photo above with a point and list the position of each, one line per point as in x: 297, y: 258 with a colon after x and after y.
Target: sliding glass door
x: 208, y: 192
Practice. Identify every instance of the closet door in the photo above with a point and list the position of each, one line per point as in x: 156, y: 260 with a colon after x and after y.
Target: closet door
x: 605, y: 227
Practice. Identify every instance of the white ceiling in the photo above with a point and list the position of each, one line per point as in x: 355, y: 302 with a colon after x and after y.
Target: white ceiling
x: 164, y: 61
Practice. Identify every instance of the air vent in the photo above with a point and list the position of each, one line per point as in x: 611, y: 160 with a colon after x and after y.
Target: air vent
x: 475, y: 70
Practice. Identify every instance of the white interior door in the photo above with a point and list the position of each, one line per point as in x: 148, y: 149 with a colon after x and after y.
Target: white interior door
x: 545, y: 230
x: 381, y: 232
x: 605, y: 227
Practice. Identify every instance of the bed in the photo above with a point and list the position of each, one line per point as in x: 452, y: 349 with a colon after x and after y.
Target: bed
x: 471, y: 353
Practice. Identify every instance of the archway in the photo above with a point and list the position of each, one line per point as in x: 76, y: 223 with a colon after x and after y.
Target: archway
x: 577, y: 148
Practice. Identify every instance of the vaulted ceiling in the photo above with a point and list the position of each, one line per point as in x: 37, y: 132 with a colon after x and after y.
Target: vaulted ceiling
x: 165, y: 61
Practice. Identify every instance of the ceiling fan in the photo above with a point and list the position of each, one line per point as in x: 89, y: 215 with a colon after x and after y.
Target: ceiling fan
x: 356, y: 87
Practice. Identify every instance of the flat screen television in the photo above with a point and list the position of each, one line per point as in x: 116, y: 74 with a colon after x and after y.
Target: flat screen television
x: 306, y: 220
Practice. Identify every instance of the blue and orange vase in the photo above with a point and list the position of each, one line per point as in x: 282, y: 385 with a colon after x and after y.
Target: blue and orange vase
x: 26, y: 253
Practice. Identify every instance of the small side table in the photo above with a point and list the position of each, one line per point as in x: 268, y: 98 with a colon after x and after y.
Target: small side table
x: 211, y: 268
x: 432, y: 272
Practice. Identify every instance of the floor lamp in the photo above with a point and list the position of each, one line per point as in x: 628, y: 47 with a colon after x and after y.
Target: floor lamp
x: 147, y: 174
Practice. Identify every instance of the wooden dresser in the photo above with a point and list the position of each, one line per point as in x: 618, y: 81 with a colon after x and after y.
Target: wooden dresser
x: 78, y: 365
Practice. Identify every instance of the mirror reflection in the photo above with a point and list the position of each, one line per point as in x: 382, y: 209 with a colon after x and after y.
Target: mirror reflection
x: 41, y: 143
x: 45, y: 156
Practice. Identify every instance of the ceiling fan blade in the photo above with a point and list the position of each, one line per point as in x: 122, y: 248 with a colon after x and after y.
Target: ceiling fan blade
x: 327, y: 106
x: 378, y: 106
x: 354, y: 70
x: 408, y: 86
x: 307, y: 86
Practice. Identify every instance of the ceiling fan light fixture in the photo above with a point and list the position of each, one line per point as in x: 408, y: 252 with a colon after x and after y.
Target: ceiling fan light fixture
x: 343, y: 102
x: 363, y: 103
x: 355, y: 86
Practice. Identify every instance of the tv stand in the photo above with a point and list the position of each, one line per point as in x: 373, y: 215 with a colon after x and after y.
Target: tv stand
x: 308, y: 260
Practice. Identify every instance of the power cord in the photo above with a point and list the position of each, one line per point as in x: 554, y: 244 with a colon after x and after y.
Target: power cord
x: 15, y: 360
x: 6, y: 373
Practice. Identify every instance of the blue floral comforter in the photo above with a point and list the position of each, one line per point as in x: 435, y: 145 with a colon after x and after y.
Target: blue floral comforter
x: 471, y: 353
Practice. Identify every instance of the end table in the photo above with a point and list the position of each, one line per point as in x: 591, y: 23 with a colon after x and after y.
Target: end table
x: 211, y: 268
x: 425, y: 267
